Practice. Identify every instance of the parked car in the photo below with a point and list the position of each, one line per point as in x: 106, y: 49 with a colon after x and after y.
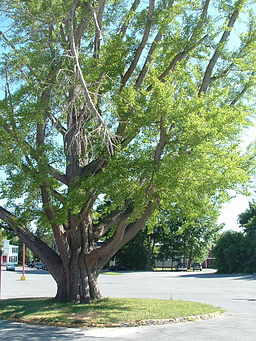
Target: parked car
x: 182, y: 267
x: 197, y: 266
x: 119, y: 268
x: 39, y: 266
x: 10, y: 267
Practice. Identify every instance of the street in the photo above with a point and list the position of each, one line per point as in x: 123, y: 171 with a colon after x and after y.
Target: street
x: 235, y: 293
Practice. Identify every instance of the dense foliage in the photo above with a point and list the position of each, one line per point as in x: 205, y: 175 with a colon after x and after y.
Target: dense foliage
x: 236, y: 251
x: 230, y: 253
x: 190, y: 244
x: 170, y: 240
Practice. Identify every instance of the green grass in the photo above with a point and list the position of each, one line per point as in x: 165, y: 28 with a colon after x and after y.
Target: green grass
x: 103, y: 313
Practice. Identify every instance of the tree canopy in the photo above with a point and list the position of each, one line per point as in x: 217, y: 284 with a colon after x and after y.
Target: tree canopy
x: 131, y: 105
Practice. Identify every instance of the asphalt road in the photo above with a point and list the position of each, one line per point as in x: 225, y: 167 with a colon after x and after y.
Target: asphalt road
x: 235, y: 293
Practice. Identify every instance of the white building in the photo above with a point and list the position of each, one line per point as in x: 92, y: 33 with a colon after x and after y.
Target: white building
x: 10, y: 253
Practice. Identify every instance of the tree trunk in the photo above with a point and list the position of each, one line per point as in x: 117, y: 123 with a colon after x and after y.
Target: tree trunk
x: 77, y: 280
x: 78, y: 284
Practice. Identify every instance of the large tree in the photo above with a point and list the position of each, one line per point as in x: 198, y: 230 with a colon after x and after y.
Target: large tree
x: 124, y: 104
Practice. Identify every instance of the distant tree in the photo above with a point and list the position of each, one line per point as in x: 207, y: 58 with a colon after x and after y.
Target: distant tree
x: 170, y: 242
x: 247, y: 222
x: 135, y: 103
x: 180, y: 240
x: 230, y: 252
x: 236, y: 251
x: 134, y: 253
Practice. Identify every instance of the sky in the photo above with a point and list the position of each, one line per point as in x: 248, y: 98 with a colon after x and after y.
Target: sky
x: 231, y: 210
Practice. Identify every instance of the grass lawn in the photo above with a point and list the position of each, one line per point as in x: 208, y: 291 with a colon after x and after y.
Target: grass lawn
x: 107, y: 312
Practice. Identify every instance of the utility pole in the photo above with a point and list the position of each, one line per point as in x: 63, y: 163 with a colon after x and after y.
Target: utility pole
x: 1, y: 252
x: 23, y: 277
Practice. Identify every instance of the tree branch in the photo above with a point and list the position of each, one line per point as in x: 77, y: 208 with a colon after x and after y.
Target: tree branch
x: 133, y: 228
x: 41, y: 249
x: 125, y: 25
x: 57, y: 195
x: 161, y: 143
x: 190, y: 46
x: 217, y: 53
x: 122, y: 235
x: 225, y: 72
x: 87, y: 96
x: 97, y: 18
x: 80, y: 30
x: 55, y: 173
x: 179, y: 57
x: 87, y: 206
x: 243, y: 91
x: 109, y: 248
x: 58, y: 231
x: 149, y: 57
x: 94, y: 167
x: 201, y: 20
x: 56, y: 123
x: 141, y: 46
x: 108, y: 222
x: 148, y: 60
x: 8, y: 218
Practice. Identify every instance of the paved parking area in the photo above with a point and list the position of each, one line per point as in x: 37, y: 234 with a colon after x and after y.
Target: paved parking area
x: 235, y: 293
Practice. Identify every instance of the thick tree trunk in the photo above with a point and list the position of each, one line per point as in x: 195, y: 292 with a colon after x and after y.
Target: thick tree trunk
x: 77, y: 279
x: 78, y: 285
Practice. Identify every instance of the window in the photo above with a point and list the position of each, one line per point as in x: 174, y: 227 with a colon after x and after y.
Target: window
x: 14, y: 250
x: 13, y: 259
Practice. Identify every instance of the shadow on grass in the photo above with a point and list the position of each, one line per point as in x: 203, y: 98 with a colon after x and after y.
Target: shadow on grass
x: 47, y: 310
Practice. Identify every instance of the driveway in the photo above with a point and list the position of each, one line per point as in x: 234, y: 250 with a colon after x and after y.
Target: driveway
x: 235, y: 293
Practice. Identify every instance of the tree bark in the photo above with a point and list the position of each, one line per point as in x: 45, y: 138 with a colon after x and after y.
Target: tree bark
x: 78, y: 282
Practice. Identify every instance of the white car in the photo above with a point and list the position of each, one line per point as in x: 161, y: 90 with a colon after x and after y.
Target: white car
x: 10, y: 267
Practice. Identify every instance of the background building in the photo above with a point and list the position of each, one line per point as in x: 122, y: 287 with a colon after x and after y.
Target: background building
x: 10, y: 253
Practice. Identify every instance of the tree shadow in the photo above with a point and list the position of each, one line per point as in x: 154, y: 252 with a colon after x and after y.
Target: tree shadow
x: 251, y: 277
x: 66, y: 314
x: 10, y: 331
x: 33, y: 272
x: 220, y: 275
x: 245, y: 299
